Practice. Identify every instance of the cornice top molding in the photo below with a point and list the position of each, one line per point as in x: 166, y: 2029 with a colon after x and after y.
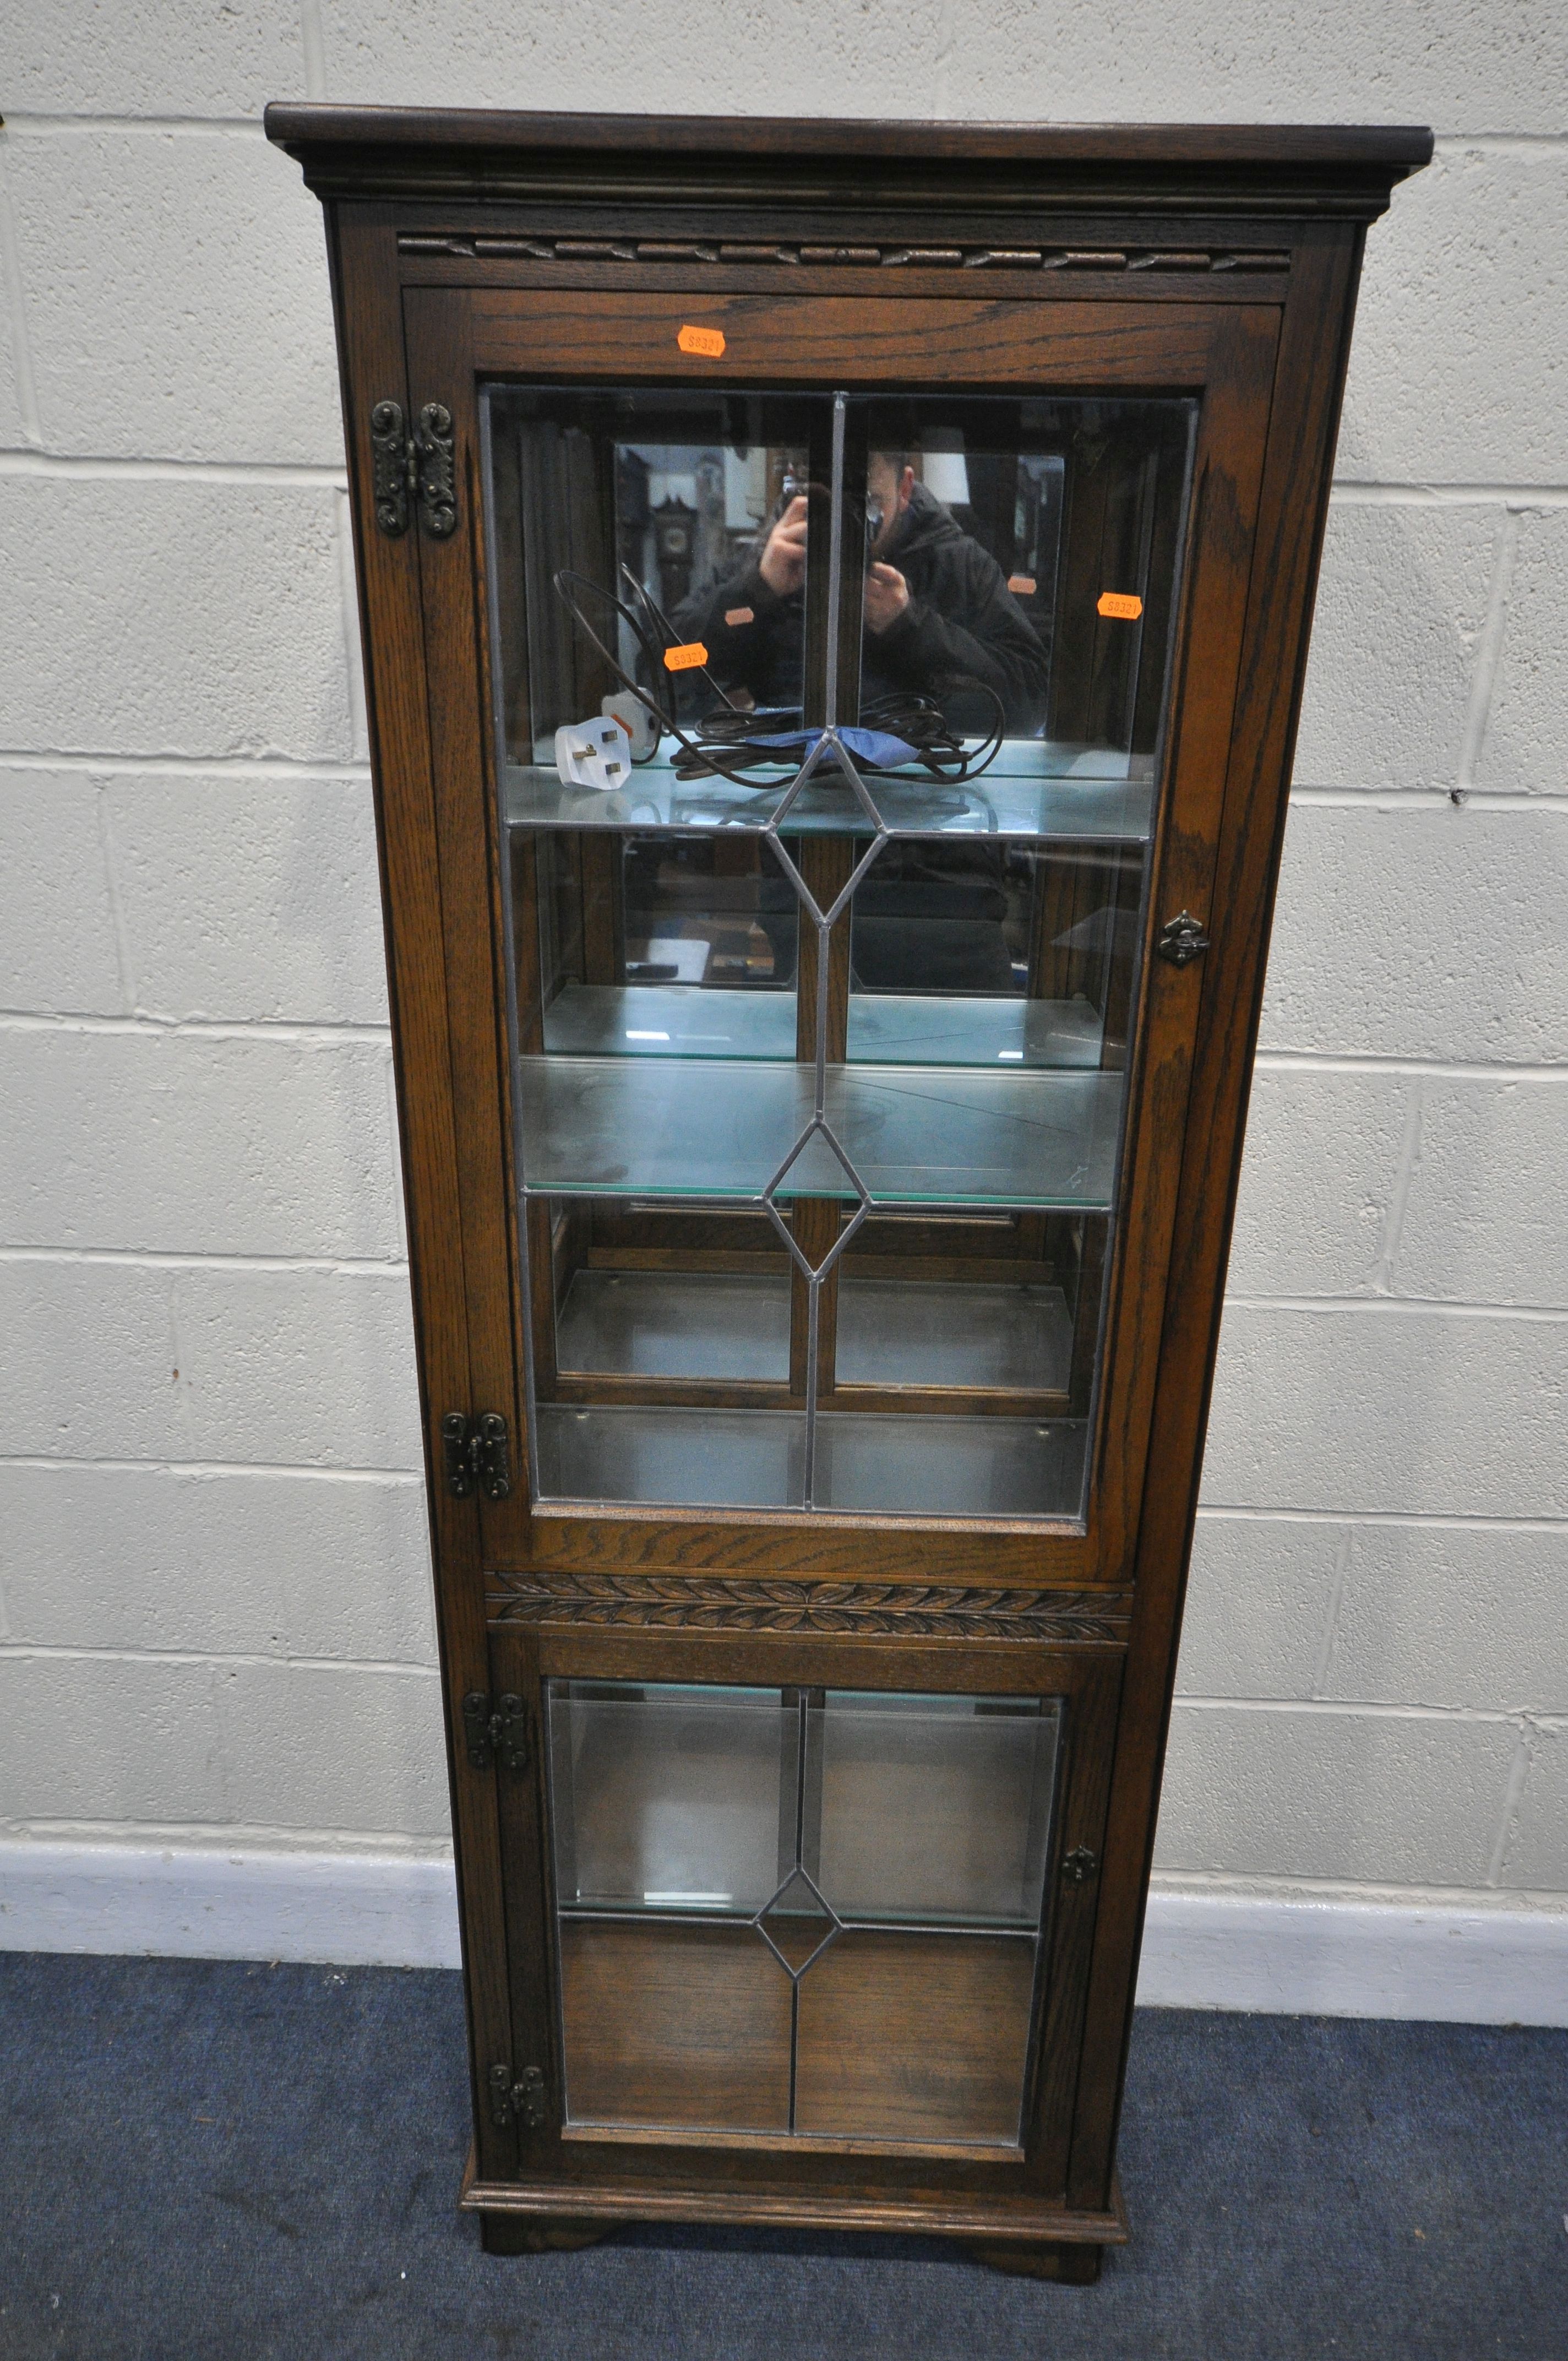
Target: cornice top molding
x: 390, y: 151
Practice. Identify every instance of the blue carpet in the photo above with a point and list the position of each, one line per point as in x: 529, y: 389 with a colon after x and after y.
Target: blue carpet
x: 204, y: 2158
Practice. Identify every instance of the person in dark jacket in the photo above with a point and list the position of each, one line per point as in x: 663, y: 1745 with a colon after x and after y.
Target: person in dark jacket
x: 938, y: 615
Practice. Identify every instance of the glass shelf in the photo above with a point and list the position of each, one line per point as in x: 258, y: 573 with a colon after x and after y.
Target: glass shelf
x: 734, y: 1327
x: 646, y: 1127
x: 891, y: 1462
x: 928, y: 1029
x: 677, y: 1323
x: 902, y: 1331
x: 1034, y: 789
x: 669, y: 1020
x: 935, y: 1809
x: 689, y: 1458
x: 675, y: 1020
x: 672, y: 1804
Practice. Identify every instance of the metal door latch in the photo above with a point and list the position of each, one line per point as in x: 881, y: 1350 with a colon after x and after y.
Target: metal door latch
x: 521, y: 2101
x: 476, y: 1452
x: 1181, y: 939
x: 417, y: 467
x: 1079, y: 1866
x: 503, y: 1731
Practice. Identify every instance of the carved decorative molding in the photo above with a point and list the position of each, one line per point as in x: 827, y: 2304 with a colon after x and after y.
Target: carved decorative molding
x: 749, y: 1603
x: 796, y: 254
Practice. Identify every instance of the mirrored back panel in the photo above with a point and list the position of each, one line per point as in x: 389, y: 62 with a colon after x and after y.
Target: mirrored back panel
x: 829, y: 732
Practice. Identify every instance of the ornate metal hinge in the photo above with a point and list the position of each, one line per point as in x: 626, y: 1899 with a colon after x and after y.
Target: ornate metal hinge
x: 417, y: 467
x: 475, y: 1452
x: 521, y: 2101
x: 502, y: 1731
x: 436, y: 487
x: 1079, y: 1866
x: 1181, y: 939
x: 389, y: 455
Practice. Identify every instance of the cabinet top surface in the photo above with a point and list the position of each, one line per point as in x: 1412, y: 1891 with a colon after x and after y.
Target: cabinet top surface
x: 391, y: 150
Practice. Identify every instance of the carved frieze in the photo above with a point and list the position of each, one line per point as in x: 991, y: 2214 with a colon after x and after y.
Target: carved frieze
x: 796, y: 254
x: 707, y: 1602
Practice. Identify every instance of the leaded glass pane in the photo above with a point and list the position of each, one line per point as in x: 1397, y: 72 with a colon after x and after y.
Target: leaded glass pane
x: 824, y: 969
x: 802, y: 1910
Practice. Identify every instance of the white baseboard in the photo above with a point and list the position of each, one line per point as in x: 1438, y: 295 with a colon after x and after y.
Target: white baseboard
x: 1323, y: 1955
x: 349, y: 1909
x: 1468, y: 1962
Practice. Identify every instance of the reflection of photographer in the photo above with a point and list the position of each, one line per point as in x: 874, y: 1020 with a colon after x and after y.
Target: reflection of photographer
x: 939, y: 614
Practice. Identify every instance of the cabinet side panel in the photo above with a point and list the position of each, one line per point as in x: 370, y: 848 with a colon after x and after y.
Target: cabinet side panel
x: 455, y: 617
x: 363, y: 247
x: 1310, y: 378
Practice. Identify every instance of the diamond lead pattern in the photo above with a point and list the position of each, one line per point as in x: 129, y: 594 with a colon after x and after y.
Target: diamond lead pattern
x: 798, y: 1924
x: 828, y: 751
x: 817, y: 1129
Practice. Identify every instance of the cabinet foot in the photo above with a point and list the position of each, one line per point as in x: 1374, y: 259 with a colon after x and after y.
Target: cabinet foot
x: 528, y: 2234
x: 1073, y: 2266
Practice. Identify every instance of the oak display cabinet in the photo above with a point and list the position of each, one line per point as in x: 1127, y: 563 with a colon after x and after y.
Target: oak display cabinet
x: 834, y: 600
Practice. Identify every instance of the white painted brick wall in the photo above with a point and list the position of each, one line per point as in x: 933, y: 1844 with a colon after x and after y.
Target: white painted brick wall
x: 1401, y: 602
x: 122, y: 58
x: 1391, y: 1797
x: 1436, y: 394
x: 244, y: 900
x: 1411, y: 928
x: 113, y: 1356
x: 1388, y: 1406
x: 1537, y: 1855
x: 215, y: 1621
x: 180, y: 1142
x: 1522, y: 751
x: 99, y: 215
x: 173, y: 615
x: 200, y: 1560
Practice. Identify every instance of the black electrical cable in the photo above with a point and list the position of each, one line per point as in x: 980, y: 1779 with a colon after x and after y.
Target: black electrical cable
x: 668, y: 635
x: 917, y: 720
x: 708, y: 766
x: 715, y: 747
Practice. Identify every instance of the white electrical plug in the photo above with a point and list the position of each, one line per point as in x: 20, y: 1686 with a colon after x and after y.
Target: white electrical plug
x: 594, y: 753
x: 634, y: 717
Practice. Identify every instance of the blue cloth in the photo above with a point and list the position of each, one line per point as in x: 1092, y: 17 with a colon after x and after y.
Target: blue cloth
x: 874, y: 746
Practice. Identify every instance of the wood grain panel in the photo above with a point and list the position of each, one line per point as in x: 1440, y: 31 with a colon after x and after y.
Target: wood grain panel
x: 904, y: 2039
x: 673, y: 2026
x: 457, y: 684
x: 371, y: 365
x: 1272, y: 636
x: 843, y: 340
x: 916, y: 2036
x: 951, y: 1610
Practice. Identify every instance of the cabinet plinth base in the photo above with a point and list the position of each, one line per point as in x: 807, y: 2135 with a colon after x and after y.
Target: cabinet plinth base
x: 1073, y: 2266
x: 1026, y: 2236
x: 523, y: 2234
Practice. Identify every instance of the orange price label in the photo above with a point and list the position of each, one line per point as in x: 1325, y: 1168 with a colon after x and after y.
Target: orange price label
x: 1125, y: 605
x: 736, y: 617
x: 1021, y: 585
x: 686, y: 659
x: 709, y: 342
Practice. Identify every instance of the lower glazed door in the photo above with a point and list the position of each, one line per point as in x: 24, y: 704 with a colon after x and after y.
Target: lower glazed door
x: 850, y: 1910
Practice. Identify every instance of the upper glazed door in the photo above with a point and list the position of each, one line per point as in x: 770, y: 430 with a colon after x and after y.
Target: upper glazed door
x: 830, y: 712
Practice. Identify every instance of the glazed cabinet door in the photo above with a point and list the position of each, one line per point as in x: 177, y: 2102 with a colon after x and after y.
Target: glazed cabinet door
x: 828, y: 706
x: 798, y: 1906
